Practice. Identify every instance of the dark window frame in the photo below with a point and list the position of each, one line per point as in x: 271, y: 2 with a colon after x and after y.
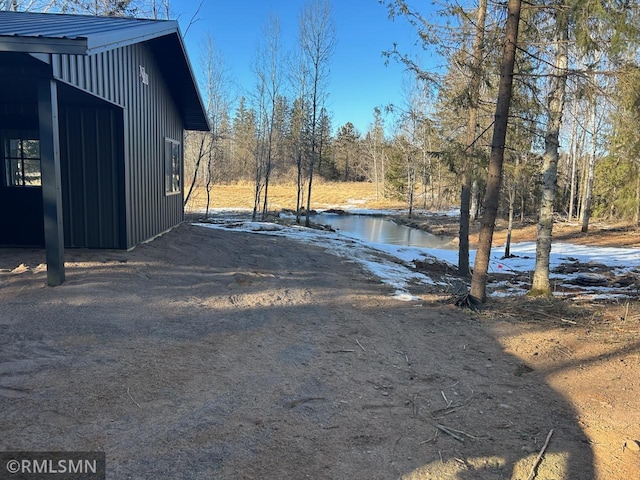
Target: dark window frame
x: 172, y: 167
x: 16, y: 158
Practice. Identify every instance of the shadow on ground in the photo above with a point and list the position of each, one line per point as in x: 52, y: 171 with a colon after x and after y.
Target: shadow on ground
x: 209, y: 354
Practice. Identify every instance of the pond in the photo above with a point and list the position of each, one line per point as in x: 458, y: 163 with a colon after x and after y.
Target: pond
x: 375, y: 229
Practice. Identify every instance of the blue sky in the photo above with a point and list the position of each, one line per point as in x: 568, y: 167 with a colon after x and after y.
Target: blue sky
x: 359, y: 79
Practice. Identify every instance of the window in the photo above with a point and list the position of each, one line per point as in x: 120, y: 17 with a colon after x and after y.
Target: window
x: 22, y: 162
x: 172, y: 166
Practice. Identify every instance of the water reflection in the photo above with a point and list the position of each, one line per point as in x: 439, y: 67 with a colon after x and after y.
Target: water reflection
x: 378, y: 230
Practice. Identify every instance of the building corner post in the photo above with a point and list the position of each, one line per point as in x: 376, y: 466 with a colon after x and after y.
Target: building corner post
x: 51, y: 180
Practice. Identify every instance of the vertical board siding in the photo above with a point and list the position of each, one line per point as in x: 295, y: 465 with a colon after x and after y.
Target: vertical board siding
x: 92, y: 162
x: 150, y: 115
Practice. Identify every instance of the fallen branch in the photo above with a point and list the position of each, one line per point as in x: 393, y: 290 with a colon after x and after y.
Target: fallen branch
x: 446, y: 400
x: 133, y: 399
x: 473, y: 437
x: 300, y: 401
x: 449, y: 432
x: 534, y: 469
x: 553, y: 317
x: 435, y: 437
x: 360, y: 345
x: 441, y: 412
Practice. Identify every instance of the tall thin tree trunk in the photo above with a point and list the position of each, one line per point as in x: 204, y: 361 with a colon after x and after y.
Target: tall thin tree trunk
x: 474, y: 94
x: 197, y: 168
x: 312, y: 161
x: 425, y: 184
x: 481, y: 266
x: 540, y: 284
x: 463, y: 246
x: 637, y: 216
x: 411, y: 176
x: 431, y: 185
x: 375, y: 167
x: 259, y: 154
x: 475, y: 193
x: 586, y: 209
x: 267, y: 173
x: 573, y: 152
x: 439, y: 206
x: 512, y: 194
x: 507, y: 244
x: 209, y: 181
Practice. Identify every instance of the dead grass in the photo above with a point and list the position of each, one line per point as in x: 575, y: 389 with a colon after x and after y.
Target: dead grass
x: 324, y: 195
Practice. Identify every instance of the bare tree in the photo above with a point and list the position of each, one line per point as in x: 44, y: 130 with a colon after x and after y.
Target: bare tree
x: 555, y: 104
x: 481, y: 265
x: 474, y: 98
x: 216, y: 93
x: 269, y: 73
x: 374, y: 142
x: 317, y: 38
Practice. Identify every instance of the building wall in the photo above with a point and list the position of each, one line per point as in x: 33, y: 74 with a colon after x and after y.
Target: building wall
x: 92, y: 174
x: 149, y: 117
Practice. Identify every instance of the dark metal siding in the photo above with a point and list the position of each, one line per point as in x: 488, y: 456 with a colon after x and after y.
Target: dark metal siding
x: 92, y: 176
x: 150, y: 116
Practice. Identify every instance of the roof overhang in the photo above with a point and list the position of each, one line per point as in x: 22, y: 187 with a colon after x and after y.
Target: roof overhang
x: 39, y: 33
x: 14, y: 43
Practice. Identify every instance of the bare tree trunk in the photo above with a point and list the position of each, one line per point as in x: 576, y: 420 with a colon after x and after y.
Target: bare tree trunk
x: 431, y: 185
x: 317, y: 37
x: 507, y: 245
x: 209, y: 180
x: 540, y: 284
x: 586, y: 209
x: 463, y: 246
x: 259, y: 157
x: 195, y: 173
x: 411, y: 183
x: 474, y: 94
x: 307, y: 221
x: 267, y: 175
x: 481, y: 266
x: 475, y: 193
x: 637, y: 215
x: 425, y: 183
x: 300, y: 186
x: 439, y: 206
x: 573, y: 152
x: 375, y: 174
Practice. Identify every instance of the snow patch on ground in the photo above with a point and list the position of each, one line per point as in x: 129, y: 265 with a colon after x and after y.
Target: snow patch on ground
x: 393, y: 264
x: 393, y: 271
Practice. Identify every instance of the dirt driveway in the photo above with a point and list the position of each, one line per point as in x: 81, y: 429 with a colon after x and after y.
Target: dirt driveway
x: 223, y: 355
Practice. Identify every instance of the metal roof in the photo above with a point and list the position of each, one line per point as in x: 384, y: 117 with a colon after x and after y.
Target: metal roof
x: 54, y: 33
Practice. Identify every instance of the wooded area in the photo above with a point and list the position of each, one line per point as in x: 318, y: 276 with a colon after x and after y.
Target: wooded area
x: 423, y: 153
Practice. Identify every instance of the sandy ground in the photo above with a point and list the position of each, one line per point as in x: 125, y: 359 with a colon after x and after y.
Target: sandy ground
x: 224, y: 355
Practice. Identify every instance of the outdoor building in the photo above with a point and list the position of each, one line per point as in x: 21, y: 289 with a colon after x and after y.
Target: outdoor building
x: 92, y: 118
